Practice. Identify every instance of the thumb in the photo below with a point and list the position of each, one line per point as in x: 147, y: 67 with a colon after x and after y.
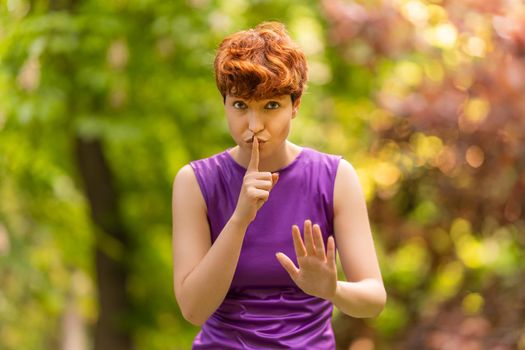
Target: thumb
x: 275, y: 178
x: 287, y: 264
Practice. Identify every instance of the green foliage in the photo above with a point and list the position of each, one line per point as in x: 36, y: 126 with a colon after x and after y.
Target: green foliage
x: 138, y: 75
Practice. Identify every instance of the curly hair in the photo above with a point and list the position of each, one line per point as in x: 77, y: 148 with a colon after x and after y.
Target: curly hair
x: 262, y: 62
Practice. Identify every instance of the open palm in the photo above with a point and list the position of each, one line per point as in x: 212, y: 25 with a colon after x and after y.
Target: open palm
x: 317, y: 272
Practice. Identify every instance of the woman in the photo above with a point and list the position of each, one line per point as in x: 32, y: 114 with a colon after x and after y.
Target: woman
x: 242, y: 269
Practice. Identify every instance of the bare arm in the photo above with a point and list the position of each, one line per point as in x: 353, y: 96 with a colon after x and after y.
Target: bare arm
x: 364, y: 294
x: 203, y: 272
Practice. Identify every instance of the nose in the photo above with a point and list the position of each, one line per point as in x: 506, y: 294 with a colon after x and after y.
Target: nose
x: 255, y: 123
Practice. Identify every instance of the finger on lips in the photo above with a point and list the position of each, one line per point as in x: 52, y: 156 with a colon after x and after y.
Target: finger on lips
x: 253, y: 166
x: 254, y: 160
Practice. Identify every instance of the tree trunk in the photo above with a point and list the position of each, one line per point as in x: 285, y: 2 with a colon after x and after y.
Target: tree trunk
x: 111, y: 244
x: 111, y: 239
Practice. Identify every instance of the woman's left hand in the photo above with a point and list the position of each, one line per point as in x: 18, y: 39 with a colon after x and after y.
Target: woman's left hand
x: 317, y: 272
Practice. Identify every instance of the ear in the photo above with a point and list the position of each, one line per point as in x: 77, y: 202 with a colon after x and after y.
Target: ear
x: 295, y: 107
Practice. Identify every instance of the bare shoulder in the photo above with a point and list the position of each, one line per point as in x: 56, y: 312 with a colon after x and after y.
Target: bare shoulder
x: 347, y: 184
x: 185, y: 176
x: 345, y: 168
x: 185, y: 171
x: 186, y: 187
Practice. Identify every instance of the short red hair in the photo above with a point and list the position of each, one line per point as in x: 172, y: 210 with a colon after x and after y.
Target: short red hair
x: 260, y: 63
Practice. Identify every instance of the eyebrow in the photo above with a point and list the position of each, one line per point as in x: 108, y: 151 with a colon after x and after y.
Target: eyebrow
x: 268, y: 100
x: 236, y: 99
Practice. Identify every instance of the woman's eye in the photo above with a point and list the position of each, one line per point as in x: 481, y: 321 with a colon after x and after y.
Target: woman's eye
x: 272, y: 105
x: 239, y: 105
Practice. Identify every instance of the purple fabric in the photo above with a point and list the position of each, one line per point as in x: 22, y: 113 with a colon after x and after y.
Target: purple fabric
x: 264, y: 309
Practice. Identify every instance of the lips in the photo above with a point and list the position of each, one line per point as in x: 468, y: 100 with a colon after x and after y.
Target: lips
x: 250, y: 141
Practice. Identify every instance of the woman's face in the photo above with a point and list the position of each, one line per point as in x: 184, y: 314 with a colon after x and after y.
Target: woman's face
x: 267, y: 119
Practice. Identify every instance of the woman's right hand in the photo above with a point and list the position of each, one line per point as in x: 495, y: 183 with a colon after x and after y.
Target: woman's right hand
x: 256, y: 187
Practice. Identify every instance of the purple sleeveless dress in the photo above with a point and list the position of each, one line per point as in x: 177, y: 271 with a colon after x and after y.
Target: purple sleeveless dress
x: 264, y: 308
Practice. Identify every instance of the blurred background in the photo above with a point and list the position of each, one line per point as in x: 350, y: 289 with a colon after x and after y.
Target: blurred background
x: 102, y: 102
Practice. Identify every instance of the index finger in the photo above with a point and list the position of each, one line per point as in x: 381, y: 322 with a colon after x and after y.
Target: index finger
x: 254, y: 160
